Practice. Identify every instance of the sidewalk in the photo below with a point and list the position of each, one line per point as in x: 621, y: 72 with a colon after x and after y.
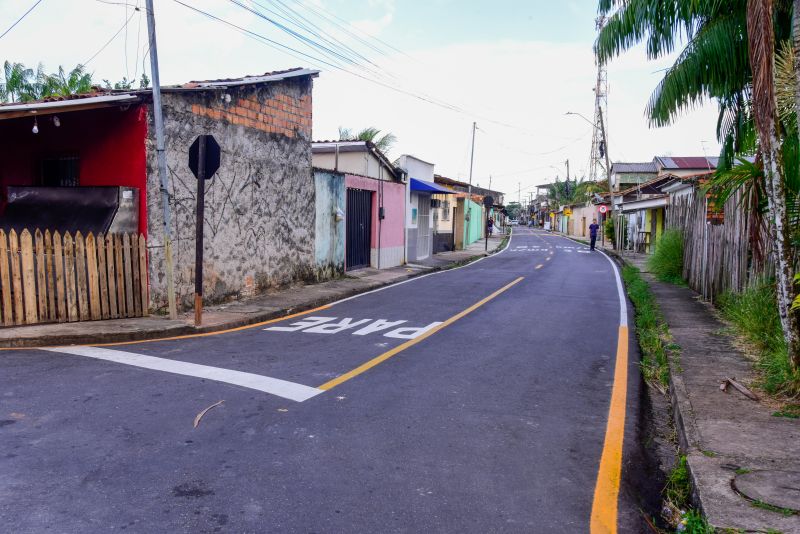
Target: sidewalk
x: 734, y: 446
x: 744, y: 462
x: 271, y: 305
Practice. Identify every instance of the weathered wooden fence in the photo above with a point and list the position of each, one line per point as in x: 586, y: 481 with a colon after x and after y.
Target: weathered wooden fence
x: 48, y: 277
x: 716, y: 250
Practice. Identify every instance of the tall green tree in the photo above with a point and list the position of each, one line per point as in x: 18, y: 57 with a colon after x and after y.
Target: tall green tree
x: 76, y: 81
x: 761, y: 39
x: 384, y: 142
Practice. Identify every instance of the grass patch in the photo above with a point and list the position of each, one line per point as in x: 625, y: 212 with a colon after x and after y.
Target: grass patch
x: 786, y: 512
x: 666, y: 263
x: 790, y: 411
x: 694, y: 523
x: 650, y: 328
x: 678, y: 489
x: 742, y: 471
x: 754, y: 314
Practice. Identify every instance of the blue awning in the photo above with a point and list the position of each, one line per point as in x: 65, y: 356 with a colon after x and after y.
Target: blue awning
x: 430, y: 187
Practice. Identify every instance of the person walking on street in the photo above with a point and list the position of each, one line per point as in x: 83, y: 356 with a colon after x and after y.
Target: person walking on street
x: 490, y: 225
x: 593, y: 233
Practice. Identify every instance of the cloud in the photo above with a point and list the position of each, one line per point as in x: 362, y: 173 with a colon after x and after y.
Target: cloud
x: 374, y: 27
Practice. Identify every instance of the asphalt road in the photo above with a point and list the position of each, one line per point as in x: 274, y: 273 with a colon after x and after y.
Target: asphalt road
x: 491, y: 420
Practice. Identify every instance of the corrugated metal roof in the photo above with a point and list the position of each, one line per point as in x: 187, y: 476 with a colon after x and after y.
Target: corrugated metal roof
x: 643, y: 167
x: 261, y: 78
x: 686, y: 162
x: 98, y: 92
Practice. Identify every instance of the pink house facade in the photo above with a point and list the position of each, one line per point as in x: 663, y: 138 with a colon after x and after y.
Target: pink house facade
x: 371, y: 201
x: 387, y: 242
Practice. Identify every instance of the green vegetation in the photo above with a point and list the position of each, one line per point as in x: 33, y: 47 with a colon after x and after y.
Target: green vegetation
x: 754, y: 314
x: 791, y: 411
x: 650, y: 328
x: 694, y: 523
x: 666, y: 263
x: 384, y: 142
x: 678, y: 489
x: 777, y: 509
x: 610, y: 230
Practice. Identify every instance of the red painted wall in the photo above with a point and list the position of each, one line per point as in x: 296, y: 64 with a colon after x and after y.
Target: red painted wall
x: 109, y: 142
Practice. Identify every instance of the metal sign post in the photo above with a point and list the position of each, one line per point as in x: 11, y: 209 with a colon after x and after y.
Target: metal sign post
x: 204, y: 162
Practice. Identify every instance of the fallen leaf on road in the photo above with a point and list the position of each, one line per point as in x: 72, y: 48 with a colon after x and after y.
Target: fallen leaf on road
x: 201, y: 414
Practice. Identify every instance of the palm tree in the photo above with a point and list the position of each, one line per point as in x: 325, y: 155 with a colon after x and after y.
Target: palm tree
x: 77, y: 81
x: 371, y: 134
x: 761, y: 38
x: 22, y: 84
x: 730, y: 57
x: 16, y: 77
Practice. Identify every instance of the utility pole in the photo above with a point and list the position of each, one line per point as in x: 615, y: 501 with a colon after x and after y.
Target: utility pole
x: 469, y: 189
x: 490, y: 182
x: 608, y: 172
x: 161, y: 156
x: 567, y: 162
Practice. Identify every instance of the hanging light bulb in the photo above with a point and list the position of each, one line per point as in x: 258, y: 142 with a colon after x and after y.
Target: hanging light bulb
x: 35, y: 129
x: 56, y: 121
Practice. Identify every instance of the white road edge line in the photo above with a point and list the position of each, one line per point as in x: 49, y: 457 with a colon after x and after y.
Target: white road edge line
x: 623, y: 306
x: 266, y: 384
x: 508, y: 244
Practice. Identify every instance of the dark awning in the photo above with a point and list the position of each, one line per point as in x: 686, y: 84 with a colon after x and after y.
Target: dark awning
x: 430, y: 187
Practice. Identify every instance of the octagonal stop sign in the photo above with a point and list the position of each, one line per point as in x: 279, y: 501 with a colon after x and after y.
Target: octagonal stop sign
x: 211, y: 159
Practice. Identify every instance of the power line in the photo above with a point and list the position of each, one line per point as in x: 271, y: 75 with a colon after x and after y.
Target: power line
x: 125, y: 25
x: 20, y: 19
x: 260, y: 38
x: 327, y: 52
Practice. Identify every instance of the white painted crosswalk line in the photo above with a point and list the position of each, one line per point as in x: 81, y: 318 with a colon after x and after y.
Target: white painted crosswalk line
x: 273, y: 386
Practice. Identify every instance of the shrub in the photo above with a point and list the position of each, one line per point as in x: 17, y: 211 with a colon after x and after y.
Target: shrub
x: 666, y: 263
x: 754, y: 314
x: 610, y: 230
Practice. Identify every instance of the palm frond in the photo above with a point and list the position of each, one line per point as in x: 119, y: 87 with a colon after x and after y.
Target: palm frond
x: 713, y: 64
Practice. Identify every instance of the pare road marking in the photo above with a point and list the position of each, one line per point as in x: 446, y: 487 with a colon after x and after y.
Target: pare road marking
x: 356, y: 327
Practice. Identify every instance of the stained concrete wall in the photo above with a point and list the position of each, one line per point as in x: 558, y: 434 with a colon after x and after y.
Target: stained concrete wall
x: 329, y: 233
x: 259, y: 208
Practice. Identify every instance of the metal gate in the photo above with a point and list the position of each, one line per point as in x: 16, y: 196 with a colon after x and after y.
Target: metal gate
x: 424, y: 226
x: 359, y: 229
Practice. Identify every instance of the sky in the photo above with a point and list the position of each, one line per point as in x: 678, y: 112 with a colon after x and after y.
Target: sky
x: 424, y: 70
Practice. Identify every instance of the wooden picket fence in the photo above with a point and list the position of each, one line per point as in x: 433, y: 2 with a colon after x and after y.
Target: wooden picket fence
x: 716, y: 251
x: 47, y: 278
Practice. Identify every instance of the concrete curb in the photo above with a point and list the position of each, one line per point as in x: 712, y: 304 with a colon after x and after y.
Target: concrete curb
x: 257, y: 317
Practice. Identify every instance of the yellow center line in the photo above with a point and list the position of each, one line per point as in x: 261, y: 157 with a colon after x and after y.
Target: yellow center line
x: 411, y: 342
x: 606, y: 491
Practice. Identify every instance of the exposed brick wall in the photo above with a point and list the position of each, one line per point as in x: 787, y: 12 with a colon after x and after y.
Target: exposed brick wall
x: 282, y: 114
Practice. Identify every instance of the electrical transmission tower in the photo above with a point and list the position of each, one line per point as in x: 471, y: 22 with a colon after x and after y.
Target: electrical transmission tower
x: 598, y: 162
